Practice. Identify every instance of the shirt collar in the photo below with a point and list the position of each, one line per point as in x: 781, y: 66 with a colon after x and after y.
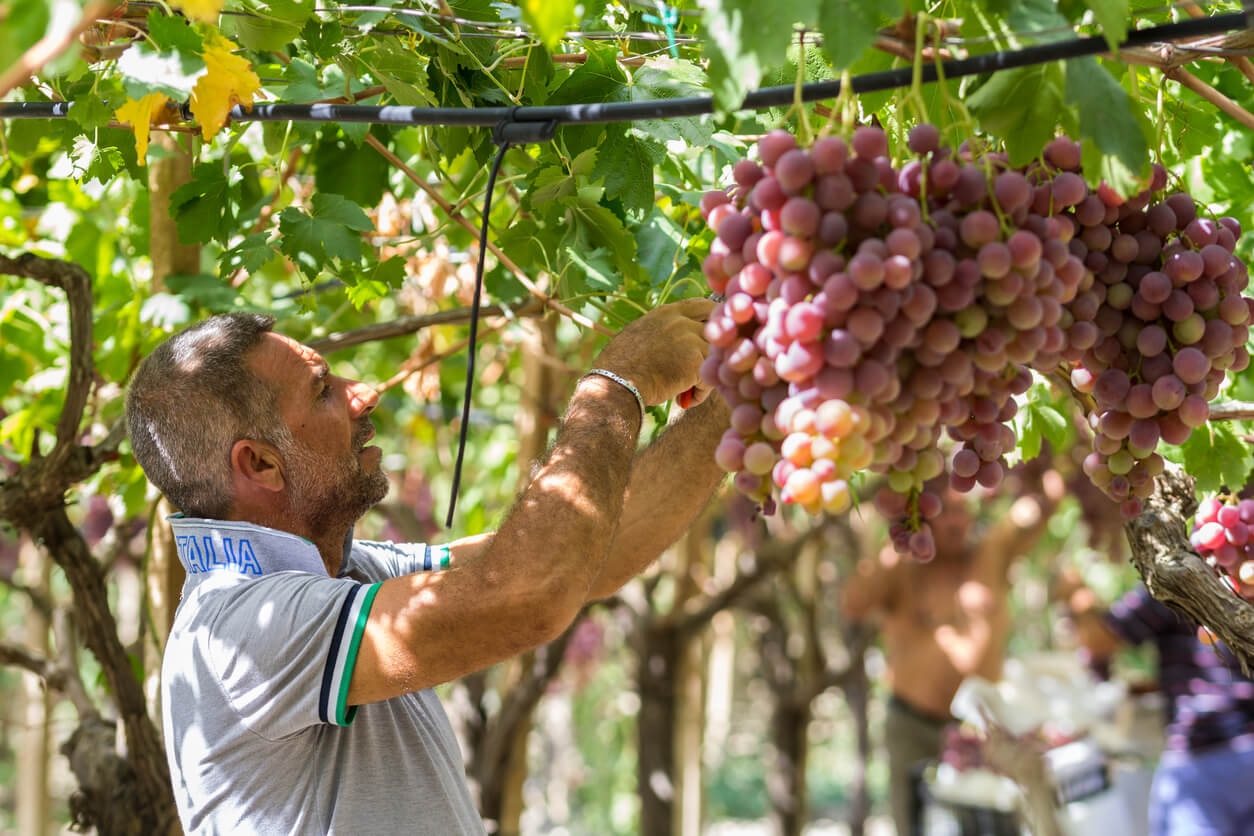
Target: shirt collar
x: 241, y: 548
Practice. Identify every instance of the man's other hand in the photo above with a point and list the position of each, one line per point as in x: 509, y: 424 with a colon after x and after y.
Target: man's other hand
x: 662, y: 351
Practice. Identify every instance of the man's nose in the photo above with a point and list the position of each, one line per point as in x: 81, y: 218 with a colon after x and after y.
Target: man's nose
x: 362, y: 397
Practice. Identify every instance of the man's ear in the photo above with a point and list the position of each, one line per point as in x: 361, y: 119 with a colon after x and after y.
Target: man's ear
x: 255, y: 467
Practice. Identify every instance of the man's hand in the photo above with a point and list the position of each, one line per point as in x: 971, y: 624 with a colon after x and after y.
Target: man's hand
x: 662, y: 351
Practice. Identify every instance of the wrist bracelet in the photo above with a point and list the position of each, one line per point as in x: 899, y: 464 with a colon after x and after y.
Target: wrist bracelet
x: 621, y: 381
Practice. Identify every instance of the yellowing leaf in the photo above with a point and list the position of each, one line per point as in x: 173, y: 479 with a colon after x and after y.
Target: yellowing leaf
x: 140, y: 115
x: 229, y: 80
x: 205, y: 11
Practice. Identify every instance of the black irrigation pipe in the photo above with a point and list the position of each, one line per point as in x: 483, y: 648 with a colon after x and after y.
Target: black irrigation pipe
x: 692, y: 105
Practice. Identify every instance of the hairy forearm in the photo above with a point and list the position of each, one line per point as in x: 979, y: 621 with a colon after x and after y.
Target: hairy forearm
x: 561, y: 528
x: 671, y: 482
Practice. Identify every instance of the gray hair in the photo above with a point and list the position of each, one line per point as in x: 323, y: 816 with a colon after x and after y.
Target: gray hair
x: 191, y: 399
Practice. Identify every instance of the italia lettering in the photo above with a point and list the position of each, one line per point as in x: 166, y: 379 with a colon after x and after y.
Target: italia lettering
x: 202, y: 554
x: 248, y: 563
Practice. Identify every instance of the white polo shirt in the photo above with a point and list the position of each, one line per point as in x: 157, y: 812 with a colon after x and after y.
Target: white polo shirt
x: 254, y: 682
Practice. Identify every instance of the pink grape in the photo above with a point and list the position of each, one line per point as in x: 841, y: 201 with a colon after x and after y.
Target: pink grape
x: 829, y: 154
x: 870, y: 142
x: 1190, y: 365
x: 1194, y: 411
x: 923, y: 139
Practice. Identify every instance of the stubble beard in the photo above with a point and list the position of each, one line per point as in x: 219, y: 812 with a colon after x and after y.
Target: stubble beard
x: 330, y: 494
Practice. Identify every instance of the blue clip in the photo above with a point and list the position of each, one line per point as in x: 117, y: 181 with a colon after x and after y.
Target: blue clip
x: 666, y: 17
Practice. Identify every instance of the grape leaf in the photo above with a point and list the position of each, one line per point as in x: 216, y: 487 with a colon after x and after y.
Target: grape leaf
x: 250, y: 255
x: 1021, y: 106
x: 211, y: 291
x: 205, y: 11
x: 173, y: 73
x: 90, y: 112
x: 382, y: 278
x: 598, y: 79
x: 525, y: 243
x: 1029, y: 434
x: 140, y: 115
x: 598, y: 268
x: 660, y: 243
x: 597, y: 227
x: 402, y: 72
x: 745, y: 38
x: 850, y: 27
x: 537, y: 75
x: 92, y: 161
x: 229, y: 80
x: 549, y: 19
x: 324, y: 38
x: 625, y: 163
x: 292, y: 11
x: 331, y: 230
x: 272, y: 24
x: 171, y: 33
x: 1113, y: 17
x: 1215, y: 456
x: 305, y: 84
x: 1039, y: 19
x: 263, y: 34
x: 358, y: 173
x: 202, y: 206
x: 665, y: 78
x: 1108, y: 125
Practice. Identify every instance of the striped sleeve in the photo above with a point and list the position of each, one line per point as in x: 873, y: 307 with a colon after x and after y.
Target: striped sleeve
x: 377, y: 561
x: 333, y: 705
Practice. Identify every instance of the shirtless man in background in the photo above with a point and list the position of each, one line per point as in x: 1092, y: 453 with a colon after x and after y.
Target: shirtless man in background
x: 941, y: 622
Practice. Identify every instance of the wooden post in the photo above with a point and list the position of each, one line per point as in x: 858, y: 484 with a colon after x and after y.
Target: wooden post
x: 163, y: 577
x: 33, y: 710
x: 688, y: 812
x: 535, y: 418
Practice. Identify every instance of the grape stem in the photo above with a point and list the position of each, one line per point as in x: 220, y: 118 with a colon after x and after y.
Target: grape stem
x: 804, y: 133
x: 978, y: 151
x: 921, y: 21
x: 845, y: 105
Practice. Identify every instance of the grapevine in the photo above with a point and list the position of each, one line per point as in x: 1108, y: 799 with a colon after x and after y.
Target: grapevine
x: 873, y: 310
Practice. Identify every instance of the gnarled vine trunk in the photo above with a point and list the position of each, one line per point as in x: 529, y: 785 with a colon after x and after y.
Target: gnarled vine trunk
x: 1175, y: 574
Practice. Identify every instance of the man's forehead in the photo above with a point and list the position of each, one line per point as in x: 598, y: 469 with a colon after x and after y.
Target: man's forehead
x: 279, y: 357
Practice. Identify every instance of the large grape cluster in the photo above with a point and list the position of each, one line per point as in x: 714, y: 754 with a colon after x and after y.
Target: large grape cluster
x: 870, y: 309
x: 1154, y: 335
x: 1223, y: 533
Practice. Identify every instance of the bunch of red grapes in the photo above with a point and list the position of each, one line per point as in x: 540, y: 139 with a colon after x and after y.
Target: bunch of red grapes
x: 1223, y: 533
x: 871, y: 309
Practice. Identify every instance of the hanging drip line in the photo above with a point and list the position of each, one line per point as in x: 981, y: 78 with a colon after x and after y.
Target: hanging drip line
x: 766, y: 97
x: 507, y: 133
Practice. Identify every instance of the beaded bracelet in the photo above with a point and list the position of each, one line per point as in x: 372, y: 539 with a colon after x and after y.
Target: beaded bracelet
x: 621, y: 381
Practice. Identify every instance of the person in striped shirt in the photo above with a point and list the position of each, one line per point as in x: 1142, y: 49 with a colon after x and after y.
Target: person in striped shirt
x: 296, y: 681
x: 1200, y: 783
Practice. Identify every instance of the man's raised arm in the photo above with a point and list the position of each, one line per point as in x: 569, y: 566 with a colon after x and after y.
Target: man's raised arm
x: 529, y: 581
x: 671, y: 482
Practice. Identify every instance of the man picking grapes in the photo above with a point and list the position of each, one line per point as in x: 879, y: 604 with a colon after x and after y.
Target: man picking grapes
x: 941, y: 622
x: 296, y: 683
